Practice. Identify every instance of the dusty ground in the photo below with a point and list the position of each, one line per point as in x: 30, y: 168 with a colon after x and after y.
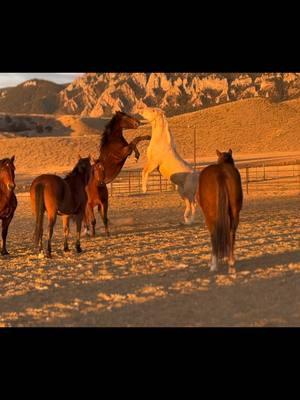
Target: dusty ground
x: 153, y: 271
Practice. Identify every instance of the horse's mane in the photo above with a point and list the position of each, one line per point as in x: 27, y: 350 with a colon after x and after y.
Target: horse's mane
x: 107, y: 131
x: 3, y: 161
x: 73, y: 173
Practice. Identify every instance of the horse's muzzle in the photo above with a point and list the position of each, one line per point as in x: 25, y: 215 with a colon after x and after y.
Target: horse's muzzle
x: 11, y: 186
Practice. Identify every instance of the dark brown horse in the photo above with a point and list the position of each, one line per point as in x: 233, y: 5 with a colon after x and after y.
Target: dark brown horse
x: 114, y: 149
x: 8, y: 200
x: 60, y: 196
x: 97, y: 196
x: 220, y: 197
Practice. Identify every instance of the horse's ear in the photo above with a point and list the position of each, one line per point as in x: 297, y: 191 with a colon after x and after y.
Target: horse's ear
x: 13, y: 159
x: 79, y: 156
x: 218, y: 153
x: 230, y: 152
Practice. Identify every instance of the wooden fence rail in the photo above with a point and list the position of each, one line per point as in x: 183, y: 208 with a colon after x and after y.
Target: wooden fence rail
x: 256, y: 176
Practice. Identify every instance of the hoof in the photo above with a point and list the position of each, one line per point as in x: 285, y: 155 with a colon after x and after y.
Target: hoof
x: 78, y: 249
x: 4, y: 253
x: 66, y: 249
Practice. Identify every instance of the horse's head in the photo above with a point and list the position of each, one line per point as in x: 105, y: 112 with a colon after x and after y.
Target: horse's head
x: 150, y: 114
x: 83, y: 167
x: 98, y: 172
x: 7, y: 172
x: 126, y: 121
x: 225, y: 157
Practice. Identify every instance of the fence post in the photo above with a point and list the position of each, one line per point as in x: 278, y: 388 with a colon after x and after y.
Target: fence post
x: 195, y: 155
x: 160, y: 188
x: 129, y: 182
x: 111, y: 189
x: 247, y: 180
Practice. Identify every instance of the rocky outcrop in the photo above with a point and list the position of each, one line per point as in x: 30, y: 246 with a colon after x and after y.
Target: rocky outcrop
x: 101, y: 94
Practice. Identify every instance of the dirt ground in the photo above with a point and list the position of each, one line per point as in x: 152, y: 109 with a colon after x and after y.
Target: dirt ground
x: 153, y: 271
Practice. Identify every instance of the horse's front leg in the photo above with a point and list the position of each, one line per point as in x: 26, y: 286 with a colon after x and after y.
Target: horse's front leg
x: 79, y: 219
x: 134, y: 143
x: 5, y: 225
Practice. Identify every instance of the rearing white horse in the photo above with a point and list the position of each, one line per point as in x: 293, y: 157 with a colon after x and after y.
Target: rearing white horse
x: 162, y: 154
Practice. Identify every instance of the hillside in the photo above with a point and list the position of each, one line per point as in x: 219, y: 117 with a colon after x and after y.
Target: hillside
x: 33, y: 96
x: 248, y: 126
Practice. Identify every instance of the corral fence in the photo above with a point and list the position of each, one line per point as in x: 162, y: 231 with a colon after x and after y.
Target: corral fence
x: 258, y: 176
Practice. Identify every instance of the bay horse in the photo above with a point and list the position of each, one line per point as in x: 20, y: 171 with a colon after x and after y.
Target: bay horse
x: 162, y: 155
x: 220, y: 197
x: 60, y: 196
x: 8, y: 200
x: 97, y: 196
x: 114, y: 149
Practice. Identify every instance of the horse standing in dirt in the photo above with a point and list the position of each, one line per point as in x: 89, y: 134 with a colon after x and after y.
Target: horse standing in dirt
x: 162, y: 155
x: 8, y: 200
x: 220, y: 197
x: 60, y: 196
x: 97, y: 196
x: 114, y: 149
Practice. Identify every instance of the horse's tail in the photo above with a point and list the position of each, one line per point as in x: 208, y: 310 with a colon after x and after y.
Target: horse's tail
x: 221, y: 232
x: 39, y: 213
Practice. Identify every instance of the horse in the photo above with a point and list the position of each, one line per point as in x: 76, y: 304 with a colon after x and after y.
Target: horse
x: 114, y: 149
x: 162, y: 155
x: 220, y: 196
x: 8, y: 200
x: 97, y: 196
x: 66, y: 197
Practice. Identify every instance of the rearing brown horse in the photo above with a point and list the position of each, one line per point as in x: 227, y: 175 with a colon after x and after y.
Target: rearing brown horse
x: 220, y: 197
x: 8, y: 200
x: 60, y: 196
x: 114, y: 149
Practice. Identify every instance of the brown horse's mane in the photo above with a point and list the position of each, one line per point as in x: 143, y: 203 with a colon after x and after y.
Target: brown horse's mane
x: 4, y: 161
x: 108, y: 129
x: 73, y: 173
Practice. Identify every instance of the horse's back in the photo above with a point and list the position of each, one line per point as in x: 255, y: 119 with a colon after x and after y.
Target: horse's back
x: 53, y: 187
x: 234, y: 186
x: 210, y: 180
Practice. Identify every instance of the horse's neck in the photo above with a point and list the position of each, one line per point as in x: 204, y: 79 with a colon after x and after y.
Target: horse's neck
x: 161, y: 131
x: 5, y: 196
x: 161, y: 134
x: 75, y: 182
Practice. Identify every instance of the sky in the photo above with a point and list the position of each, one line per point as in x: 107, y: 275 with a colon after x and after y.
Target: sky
x: 14, y: 78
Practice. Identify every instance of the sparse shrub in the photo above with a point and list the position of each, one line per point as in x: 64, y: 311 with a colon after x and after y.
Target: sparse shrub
x: 39, y: 128
x: 48, y: 128
x: 8, y: 119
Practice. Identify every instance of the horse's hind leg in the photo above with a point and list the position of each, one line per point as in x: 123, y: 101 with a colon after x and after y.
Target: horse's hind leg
x: 51, y: 223
x: 66, y: 227
x: 193, y: 208
x: 214, y: 259
x: 234, y: 224
x: 187, y: 212
x: 103, y: 213
x: 78, y: 232
x: 93, y: 221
